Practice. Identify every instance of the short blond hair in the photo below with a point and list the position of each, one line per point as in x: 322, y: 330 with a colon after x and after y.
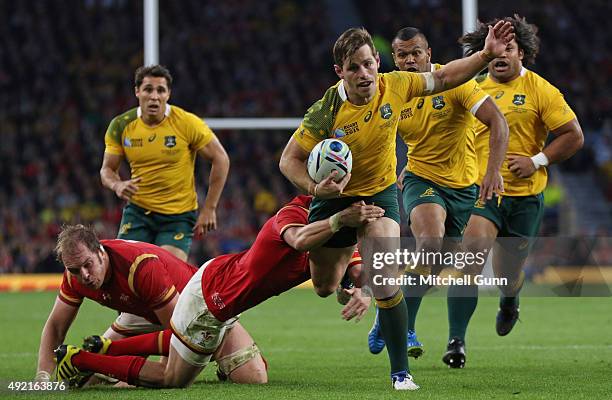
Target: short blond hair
x: 70, y: 237
x: 351, y: 41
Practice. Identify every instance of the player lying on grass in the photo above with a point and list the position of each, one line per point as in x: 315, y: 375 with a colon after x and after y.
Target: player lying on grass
x: 140, y: 280
x: 222, y: 288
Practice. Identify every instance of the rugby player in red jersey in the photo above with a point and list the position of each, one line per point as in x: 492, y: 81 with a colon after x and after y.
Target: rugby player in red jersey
x: 140, y: 280
x: 223, y: 288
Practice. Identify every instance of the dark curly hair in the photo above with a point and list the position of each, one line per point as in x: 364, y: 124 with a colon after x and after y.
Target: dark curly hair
x: 525, y: 34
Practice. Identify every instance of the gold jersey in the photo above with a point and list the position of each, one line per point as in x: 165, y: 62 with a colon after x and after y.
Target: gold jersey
x: 532, y: 107
x: 439, y: 131
x: 369, y: 130
x: 163, y: 156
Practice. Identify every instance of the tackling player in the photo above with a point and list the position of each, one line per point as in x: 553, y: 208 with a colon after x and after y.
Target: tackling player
x: 533, y: 108
x: 438, y: 183
x: 140, y: 280
x: 223, y: 288
x: 363, y: 110
x: 161, y: 142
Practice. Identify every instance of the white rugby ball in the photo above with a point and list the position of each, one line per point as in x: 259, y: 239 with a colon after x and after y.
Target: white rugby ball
x: 327, y: 156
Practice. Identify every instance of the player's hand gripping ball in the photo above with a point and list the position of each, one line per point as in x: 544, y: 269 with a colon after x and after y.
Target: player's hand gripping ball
x: 327, y: 156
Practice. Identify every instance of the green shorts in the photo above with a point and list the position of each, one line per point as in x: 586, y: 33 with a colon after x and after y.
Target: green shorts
x: 458, y: 203
x: 514, y: 216
x: 160, y: 229
x: 345, y: 237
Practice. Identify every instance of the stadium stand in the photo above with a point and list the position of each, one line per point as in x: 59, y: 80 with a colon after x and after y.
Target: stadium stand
x: 66, y: 71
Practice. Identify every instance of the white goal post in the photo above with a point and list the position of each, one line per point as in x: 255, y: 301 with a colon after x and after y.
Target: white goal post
x: 253, y: 123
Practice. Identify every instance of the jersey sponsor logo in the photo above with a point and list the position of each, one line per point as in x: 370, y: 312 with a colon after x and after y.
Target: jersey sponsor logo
x: 170, y: 141
x: 368, y: 116
x: 179, y: 236
x: 519, y: 99
x: 406, y: 113
x: 152, y: 137
x: 123, y: 230
x: 438, y: 102
x: 386, y: 111
x: 124, y: 298
x: 351, y: 128
x: 127, y: 142
x: 429, y: 192
x: 499, y: 94
x: 420, y: 103
x: 136, y: 142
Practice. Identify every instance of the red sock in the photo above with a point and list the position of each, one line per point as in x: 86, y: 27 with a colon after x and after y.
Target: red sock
x: 156, y: 343
x: 124, y: 368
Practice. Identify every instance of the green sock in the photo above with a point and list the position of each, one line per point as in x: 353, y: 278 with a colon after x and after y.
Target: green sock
x: 461, y: 302
x: 413, y: 295
x: 393, y: 326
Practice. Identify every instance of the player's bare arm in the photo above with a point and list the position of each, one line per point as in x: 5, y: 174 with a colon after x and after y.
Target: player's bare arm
x: 569, y: 139
x: 308, y: 237
x: 460, y: 71
x: 164, y: 314
x: 489, y: 114
x: 293, y: 166
x: 109, y: 174
x: 54, y: 332
x: 214, y: 153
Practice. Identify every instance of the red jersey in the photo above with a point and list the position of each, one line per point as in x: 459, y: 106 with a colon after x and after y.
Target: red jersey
x: 143, y: 278
x: 236, y: 282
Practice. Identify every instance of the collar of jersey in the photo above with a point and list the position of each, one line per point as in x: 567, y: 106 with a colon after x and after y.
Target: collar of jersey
x: 342, y: 91
x: 166, y: 112
x: 344, y: 97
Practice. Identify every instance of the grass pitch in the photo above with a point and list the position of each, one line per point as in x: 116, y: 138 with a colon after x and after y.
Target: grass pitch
x: 561, y: 349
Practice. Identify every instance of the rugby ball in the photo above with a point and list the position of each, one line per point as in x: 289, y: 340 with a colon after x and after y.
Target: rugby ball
x: 327, y: 156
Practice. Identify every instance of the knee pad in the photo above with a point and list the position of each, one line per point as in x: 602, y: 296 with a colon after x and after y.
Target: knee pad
x: 236, y: 359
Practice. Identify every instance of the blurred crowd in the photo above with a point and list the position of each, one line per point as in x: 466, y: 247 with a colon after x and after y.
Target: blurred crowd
x: 66, y: 68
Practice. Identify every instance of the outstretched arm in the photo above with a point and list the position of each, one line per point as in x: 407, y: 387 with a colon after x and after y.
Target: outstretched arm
x: 308, y: 237
x: 460, y: 71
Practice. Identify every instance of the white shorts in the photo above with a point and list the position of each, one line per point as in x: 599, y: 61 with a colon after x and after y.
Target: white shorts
x: 128, y: 324
x: 196, y: 332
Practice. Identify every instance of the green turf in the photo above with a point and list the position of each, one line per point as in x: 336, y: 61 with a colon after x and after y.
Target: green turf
x: 562, y: 349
